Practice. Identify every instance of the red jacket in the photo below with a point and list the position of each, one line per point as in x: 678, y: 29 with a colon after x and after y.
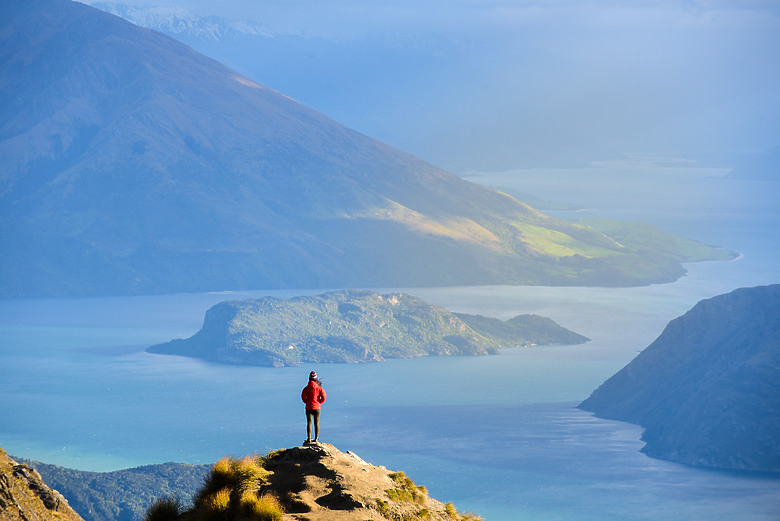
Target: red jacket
x: 313, y: 395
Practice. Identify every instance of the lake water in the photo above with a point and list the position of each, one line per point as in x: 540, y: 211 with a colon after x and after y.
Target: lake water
x: 498, y: 435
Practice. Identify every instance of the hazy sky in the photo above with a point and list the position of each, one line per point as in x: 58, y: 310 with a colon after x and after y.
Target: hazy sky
x: 562, y: 80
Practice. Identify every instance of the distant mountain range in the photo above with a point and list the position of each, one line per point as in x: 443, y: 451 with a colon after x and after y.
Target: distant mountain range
x: 134, y: 165
x: 707, y: 391
x: 179, y: 22
x: 353, y: 326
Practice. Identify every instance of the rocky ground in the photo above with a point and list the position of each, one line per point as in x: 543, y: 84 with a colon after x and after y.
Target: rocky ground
x: 25, y: 497
x: 319, y: 482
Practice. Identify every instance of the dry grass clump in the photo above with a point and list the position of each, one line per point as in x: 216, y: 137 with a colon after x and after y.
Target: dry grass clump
x: 263, y: 507
x: 164, y: 509
x: 231, y: 492
x: 409, y: 492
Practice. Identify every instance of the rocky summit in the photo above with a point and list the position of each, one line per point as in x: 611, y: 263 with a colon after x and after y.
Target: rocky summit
x: 707, y: 390
x: 323, y: 483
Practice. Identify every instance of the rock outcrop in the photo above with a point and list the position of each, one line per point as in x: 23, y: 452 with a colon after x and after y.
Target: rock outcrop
x: 25, y: 497
x: 707, y: 390
x: 319, y: 482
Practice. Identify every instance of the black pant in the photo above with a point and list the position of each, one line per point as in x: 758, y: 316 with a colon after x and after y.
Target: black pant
x: 313, y: 415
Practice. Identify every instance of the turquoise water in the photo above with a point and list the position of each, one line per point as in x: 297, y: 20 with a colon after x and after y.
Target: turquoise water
x: 496, y: 434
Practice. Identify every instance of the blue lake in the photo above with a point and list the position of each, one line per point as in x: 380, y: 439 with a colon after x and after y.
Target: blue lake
x: 498, y: 435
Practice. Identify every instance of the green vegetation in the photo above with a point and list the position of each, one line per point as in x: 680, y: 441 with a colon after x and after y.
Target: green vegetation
x: 353, y: 326
x: 122, y: 495
x: 407, y: 491
x: 522, y: 330
x: 646, y: 237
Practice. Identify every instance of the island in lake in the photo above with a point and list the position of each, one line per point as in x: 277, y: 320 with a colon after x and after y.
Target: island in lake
x: 353, y: 326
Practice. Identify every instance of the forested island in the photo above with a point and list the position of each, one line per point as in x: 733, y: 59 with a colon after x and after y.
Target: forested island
x: 354, y: 326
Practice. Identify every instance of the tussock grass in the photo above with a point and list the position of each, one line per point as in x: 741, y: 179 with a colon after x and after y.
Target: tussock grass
x: 232, y: 491
x: 407, y: 490
x: 263, y: 507
x: 214, y: 506
x: 164, y: 509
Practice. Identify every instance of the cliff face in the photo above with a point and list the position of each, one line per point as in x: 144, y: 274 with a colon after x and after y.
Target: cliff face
x: 25, y: 497
x: 707, y: 390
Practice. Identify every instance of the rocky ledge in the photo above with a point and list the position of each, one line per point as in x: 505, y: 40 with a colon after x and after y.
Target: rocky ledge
x: 25, y: 497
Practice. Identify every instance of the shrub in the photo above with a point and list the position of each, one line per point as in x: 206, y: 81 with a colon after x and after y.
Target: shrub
x: 230, y: 492
x: 265, y: 507
x: 215, y: 506
x: 164, y: 509
x: 382, y: 506
x: 248, y: 473
x: 407, y: 491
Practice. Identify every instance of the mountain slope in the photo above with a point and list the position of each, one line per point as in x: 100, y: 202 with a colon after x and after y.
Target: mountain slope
x: 707, y: 390
x: 132, y: 164
x: 25, y: 497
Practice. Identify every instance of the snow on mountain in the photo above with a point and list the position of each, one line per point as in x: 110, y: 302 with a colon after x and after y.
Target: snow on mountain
x: 179, y: 22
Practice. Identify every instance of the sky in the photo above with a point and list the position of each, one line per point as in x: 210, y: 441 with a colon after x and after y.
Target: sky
x: 558, y: 82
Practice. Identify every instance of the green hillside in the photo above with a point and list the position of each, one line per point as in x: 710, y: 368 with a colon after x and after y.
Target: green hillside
x: 121, y: 495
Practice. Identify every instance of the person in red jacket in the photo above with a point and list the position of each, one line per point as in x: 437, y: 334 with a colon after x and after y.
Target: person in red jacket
x: 313, y: 395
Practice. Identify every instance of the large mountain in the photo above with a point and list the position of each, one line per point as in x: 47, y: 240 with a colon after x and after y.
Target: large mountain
x: 707, y: 390
x: 132, y: 164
